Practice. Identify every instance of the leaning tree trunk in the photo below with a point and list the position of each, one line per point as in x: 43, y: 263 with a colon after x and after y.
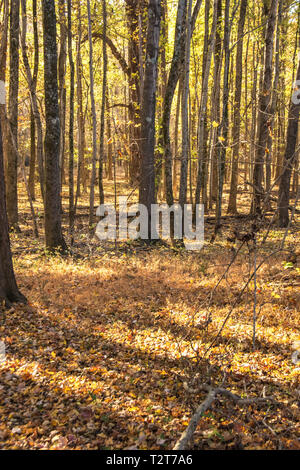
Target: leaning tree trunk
x: 147, y: 145
x: 53, y: 229
x: 289, y: 156
x: 9, y: 291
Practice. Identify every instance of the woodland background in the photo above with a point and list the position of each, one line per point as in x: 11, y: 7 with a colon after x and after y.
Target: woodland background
x: 143, y: 345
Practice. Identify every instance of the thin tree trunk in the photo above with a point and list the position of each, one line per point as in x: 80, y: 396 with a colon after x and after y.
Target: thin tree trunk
x: 71, y: 124
x: 80, y: 114
x: 94, y: 158
x: 33, y: 148
x: 62, y: 59
x: 264, y: 110
x: 34, y: 103
x: 223, y: 128
x: 232, y: 206
x: 185, y: 112
x: 202, y: 126
x: 102, y: 121
x: 176, y: 67
x: 12, y: 158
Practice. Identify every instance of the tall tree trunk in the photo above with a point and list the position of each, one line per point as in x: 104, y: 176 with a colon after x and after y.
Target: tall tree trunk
x: 215, y: 113
x: 147, y: 145
x: 223, y: 128
x: 12, y: 157
x: 202, y: 126
x: 33, y: 149
x: 62, y: 59
x: 9, y: 292
x: 133, y: 14
x: 185, y: 112
x: 274, y: 98
x: 80, y: 114
x: 289, y: 156
x: 264, y: 110
x: 176, y: 68
x: 53, y: 229
x: 94, y: 158
x: 232, y: 206
x: 102, y: 120
x: 3, y: 60
x: 34, y: 103
x: 71, y: 124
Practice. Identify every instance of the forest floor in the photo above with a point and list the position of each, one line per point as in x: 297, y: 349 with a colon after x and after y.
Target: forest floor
x: 99, y: 357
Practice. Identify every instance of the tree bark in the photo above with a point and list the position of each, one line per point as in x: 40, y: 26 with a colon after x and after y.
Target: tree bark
x: 12, y: 158
x: 94, y: 158
x: 147, y: 145
x: 202, y: 126
x: 102, y: 119
x: 53, y: 229
x: 232, y: 206
x: 33, y: 149
x: 31, y: 80
x: 9, y: 292
x: 264, y: 110
x: 71, y: 123
x: 289, y: 156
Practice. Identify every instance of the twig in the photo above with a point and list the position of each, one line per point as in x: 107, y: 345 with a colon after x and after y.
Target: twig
x: 213, y: 393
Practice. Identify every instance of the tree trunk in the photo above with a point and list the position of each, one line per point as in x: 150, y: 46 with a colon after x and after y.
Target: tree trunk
x: 132, y: 14
x: 12, y: 158
x: 53, y: 229
x: 80, y: 115
x: 34, y: 103
x: 62, y: 59
x: 71, y: 124
x: 33, y: 149
x: 289, y: 156
x: 176, y: 68
x: 9, y: 292
x: 147, y: 145
x: 232, y: 206
x: 94, y: 158
x: 264, y: 110
x: 223, y: 128
x: 202, y: 126
x: 102, y: 121
x: 185, y: 112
